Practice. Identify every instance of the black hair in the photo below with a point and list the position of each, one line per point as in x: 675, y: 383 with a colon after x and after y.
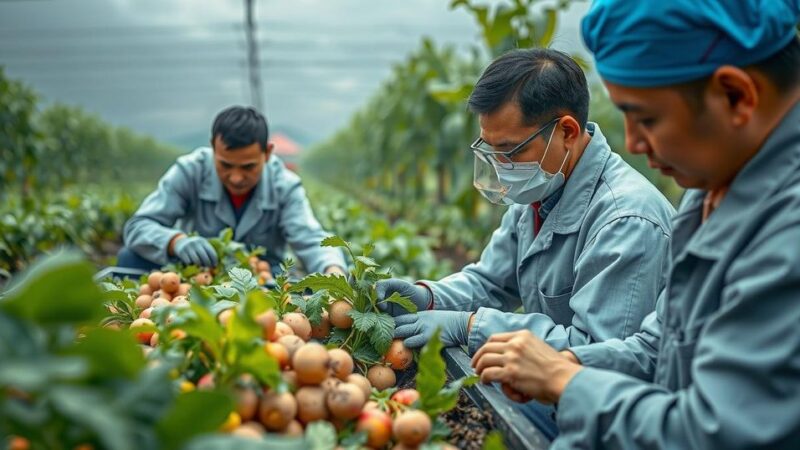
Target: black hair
x: 781, y: 68
x: 239, y: 126
x: 544, y: 83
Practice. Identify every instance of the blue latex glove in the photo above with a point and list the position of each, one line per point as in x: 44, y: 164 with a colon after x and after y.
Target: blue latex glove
x: 419, y: 295
x: 195, y: 250
x: 418, y: 328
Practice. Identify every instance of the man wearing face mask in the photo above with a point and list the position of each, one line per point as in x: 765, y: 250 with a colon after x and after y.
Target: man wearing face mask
x: 583, y: 238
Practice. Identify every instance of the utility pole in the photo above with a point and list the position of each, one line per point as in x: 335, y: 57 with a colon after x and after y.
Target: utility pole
x: 256, y: 96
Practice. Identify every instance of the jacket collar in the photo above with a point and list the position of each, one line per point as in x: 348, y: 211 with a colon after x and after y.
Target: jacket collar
x: 759, y: 179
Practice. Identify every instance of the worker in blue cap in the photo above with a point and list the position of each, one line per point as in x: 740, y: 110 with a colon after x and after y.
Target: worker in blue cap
x: 710, y: 91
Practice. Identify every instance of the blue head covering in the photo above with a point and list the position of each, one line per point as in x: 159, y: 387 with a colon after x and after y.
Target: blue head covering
x: 649, y: 43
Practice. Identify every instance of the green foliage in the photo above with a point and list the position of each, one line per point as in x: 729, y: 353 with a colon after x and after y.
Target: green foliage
x: 435, y: 397
x: 494, y: 441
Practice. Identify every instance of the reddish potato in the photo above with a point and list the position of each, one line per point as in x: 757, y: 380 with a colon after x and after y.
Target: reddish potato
x: 311, y: 404
x: 398, y: 356
x: 362, y: 382
x: 162, y: 295
x: 143, y: 336
x: 341, y: 363
x: 160, y: 302
x: 277, y: 410
x: 184, y: 289
x: 299, y: 324
x: 146, y: 313
x: 206, y: 382
x: 406, y: 396
x: 154, y: 340
x: 154, y: 280
x: 377, y: 425
x: 346, y: 401
x: 268, y: 321
x: 170, y: 283
x: 279, y: 352
x: 250, y: 430
x: 294, y: 428
x: 310, y: 362
x: 381, y: 377
x: 412, y: 427
x: 338, y: 314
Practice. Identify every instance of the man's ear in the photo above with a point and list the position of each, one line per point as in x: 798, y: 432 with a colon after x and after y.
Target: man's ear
x: 739, y: 92
x: 571, y: 130
x: 268, y: 151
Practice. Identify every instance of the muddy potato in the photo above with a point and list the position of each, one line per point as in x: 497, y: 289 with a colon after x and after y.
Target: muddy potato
x: 146, y: 313
x: 322, y: 330
x: 341, y: 363
x: 180, y: 301
x: 144, y: 301
x: 268, y: 321
x: 377, y: 425
x: 145, y: 289
x: 311, y: 362
x: 412, y: 427
x: 346, y: 401
x: 330, y: 383
x: 299, y: 324
x: 160, y: 303
x: 398, y: 356
x: 154, y: 280
x: 281, y: 329
x: 362, y: 382
x: 250, y: 430
x: 292, y: 344
x: 381, y: 377
x: 263, y: 266
x: 277, y: 410
x: 170, y: 283
x: 294, y: 428
x: 246, y: 403
x: 311, y: 404
x: 338, y: 314
x: 162, y: 295
x: 224, y: 316
x: 290, y: 377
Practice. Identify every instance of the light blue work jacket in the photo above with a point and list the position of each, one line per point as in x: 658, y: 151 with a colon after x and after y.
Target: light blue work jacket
x: 190, y: 197
x: 717, y: 366
x: 592, y: 273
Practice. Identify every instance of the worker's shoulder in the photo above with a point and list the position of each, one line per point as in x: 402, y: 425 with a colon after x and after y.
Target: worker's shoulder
x: 624, y: 192
x: 196, y: 161
x: 284, y: 180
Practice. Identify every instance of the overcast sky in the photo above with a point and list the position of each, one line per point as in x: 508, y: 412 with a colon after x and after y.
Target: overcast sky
x: 166, y: 67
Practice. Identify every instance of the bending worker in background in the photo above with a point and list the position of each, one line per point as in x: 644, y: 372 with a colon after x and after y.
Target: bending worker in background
x: 236, y: 183
x: 711, y: 94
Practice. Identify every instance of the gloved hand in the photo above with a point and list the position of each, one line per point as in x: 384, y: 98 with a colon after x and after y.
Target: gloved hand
x: 418, y: 328
x: 419, y: 295
x: 195, y: 250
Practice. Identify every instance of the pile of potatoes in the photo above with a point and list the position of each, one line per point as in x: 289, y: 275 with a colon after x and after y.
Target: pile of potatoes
x: 323, y: 386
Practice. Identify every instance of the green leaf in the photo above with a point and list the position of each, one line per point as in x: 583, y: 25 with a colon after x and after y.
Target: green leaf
x: 192, y: 414
x: 198, y: 322
x: 366, y: 354
x: 335, y: 241
x: 242, y: 280
x: 111, y: 354
x: 363, y: 322
x: 432, y: 373
x: 228, y: 442
x: 224, y: 291
x: 335, y: 284
x: 447, y: 398
x: 89, y: 408
x: 367, y: 262
x: 40, y: 295
x: 404, y: 302
x: 313, y: 306
x: 494, y: 441
x: 222, y: 305
x: 321, y: 435
x: 382, y: 333
x: 37, y: 372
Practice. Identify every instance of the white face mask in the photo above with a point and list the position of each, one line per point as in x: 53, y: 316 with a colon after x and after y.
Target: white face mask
x: 523, y: 182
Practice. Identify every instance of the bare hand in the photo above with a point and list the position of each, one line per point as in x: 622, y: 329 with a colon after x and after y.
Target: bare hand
x: 525, y: 366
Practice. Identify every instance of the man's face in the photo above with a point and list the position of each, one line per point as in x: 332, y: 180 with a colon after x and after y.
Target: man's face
x: 239, y: 169
x: 504, y: 129
x: 690, y: 144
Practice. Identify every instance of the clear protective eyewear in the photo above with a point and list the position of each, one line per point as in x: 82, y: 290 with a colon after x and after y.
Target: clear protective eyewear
x: 489, y: 155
